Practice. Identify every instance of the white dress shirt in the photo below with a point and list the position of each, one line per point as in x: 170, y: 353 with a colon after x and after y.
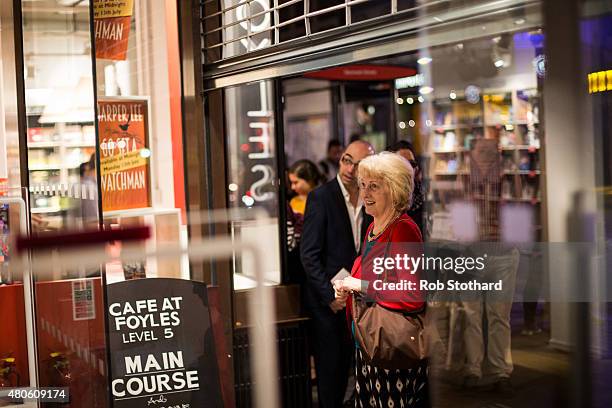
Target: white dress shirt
x: 355, y: 214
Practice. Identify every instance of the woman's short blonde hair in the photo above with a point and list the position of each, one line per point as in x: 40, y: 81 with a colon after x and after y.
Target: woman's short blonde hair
x: 395, y: 172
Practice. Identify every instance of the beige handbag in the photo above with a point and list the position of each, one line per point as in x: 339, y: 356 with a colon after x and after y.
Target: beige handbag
x: 388, y: 338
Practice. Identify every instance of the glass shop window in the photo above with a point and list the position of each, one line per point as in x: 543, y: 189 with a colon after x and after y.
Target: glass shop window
x: 252, y: 175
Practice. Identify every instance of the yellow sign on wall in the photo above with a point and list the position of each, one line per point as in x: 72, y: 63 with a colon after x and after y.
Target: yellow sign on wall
x: 600, y: 81
x: 112, y: 8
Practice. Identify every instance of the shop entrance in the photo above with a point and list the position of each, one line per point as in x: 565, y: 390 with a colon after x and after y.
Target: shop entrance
x: 450, y: 104
x: 472, y: 109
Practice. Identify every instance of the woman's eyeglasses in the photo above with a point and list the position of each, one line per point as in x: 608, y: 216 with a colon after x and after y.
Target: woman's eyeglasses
x: 372, y: 186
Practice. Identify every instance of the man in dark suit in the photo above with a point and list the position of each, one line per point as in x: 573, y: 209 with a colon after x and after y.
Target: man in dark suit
x: 334, y: 227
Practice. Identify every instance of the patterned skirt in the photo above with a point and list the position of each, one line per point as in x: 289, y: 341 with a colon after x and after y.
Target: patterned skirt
x: 382, y: 388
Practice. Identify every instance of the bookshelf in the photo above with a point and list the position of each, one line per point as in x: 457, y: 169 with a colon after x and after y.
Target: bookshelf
x: 511, y: 118
x: 54, y: 155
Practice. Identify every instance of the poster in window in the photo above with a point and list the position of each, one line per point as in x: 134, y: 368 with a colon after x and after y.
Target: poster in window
x: 112, y: 8
x: 83, y: 300
x: 112, y: 20
x: 123, y: 126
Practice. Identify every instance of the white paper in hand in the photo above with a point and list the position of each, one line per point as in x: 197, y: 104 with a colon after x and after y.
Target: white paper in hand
x: 343, y: 273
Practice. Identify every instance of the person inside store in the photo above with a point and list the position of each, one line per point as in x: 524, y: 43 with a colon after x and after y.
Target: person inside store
x: 487, y: 331
x: 417, y: 208
x: 84, y: 211
x: 304, y: 176
x: 89, y: 207
x: 334, y: 228
x: 330, y: 164
x: 386, y: 183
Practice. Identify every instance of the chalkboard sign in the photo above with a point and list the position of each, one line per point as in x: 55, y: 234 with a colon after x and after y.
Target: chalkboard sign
x: 161, y: 345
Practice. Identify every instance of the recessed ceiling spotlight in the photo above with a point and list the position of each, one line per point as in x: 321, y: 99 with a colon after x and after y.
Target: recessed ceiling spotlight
x: 425, y: 90
x: 424, y: 60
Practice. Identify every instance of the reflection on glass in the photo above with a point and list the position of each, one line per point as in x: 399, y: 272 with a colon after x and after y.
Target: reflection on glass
x: 140, y: 131
x: 63, y: 195
x: 16, y: 359
x: 251, y: 161
x: 60, y: 115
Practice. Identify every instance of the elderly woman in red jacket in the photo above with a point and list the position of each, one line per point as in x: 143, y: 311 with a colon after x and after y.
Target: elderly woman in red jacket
x: 386, y: 184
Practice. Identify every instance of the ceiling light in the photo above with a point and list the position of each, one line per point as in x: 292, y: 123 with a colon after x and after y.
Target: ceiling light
x: 421, y: 99
x: 425, y: 90
x: 399, y: 101
x: 428, y: 122
x: 424, y: 60
x: 519, y: 21
x: 233, y: 187
x: 371, y: 109
x: 452, y: 95
x: 499, y: 63
x: 410, y: 101
x: 472, y: 94
x: 411, y: 123
x: 402, y: 125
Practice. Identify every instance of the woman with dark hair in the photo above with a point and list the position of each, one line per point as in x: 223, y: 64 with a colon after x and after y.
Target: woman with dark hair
x: 417, y: 209
x: 304, y: 177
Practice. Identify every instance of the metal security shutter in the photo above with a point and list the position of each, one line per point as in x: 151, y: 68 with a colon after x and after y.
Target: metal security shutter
x: 250, y: 40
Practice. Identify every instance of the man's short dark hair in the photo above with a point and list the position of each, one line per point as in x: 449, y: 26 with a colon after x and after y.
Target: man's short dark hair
x: 333, y: 143
x: 401, y: 145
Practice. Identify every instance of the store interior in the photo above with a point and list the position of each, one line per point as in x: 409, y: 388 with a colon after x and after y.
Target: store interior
x: 452, y: 97
x: 63, y: 78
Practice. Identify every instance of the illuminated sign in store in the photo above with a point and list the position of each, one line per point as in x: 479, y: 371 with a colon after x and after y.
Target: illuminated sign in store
x: 600, y: 81
x: 260, y: 121
x: 410, y: 81
x: 363, y: 72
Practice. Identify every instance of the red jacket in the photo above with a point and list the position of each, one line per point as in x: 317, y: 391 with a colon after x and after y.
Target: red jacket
x: 403, y: 230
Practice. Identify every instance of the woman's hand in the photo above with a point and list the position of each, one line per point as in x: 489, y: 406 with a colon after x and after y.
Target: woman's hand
x: 352, y: 284
x: 340, y: 292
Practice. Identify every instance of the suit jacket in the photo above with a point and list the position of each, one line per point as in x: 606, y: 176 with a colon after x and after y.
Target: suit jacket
x: 327, y: 242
